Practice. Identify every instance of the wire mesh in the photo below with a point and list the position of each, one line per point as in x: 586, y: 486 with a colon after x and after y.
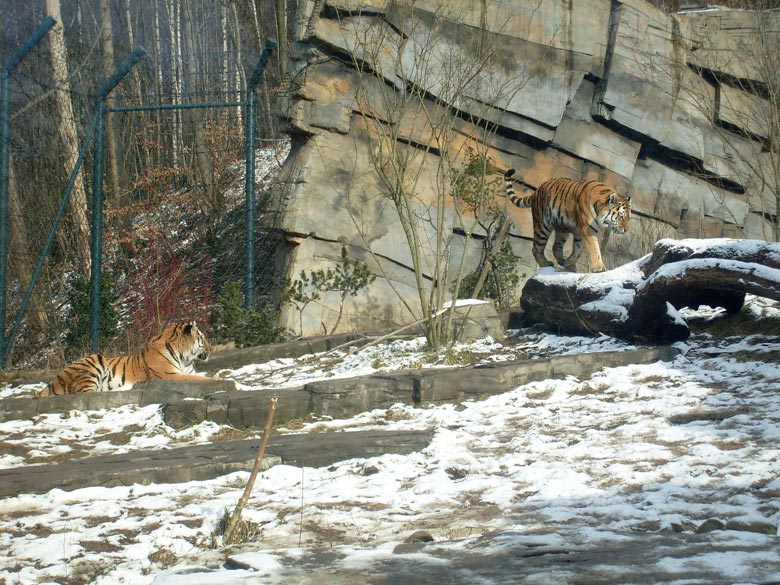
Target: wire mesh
x: 173, y: 181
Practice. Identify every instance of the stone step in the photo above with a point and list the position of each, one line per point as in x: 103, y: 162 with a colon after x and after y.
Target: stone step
x: 142, y: 394
x: 201, y: 462
x: 342, y: 398
x: 186, y: 403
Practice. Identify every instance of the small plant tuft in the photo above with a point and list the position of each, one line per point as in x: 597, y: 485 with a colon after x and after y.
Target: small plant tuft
x: 348, y: 278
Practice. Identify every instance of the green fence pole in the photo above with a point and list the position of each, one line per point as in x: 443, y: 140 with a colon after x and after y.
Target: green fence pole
x: 96, y: 247
x: 5, y: 154
x: 50, y: 238
x: 96, y: 241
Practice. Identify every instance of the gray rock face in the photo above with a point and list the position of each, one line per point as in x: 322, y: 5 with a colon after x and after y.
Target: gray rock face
x: 667, y: 108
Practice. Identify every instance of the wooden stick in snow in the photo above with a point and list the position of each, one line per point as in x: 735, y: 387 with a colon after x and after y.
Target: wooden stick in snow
x: 234, y: 518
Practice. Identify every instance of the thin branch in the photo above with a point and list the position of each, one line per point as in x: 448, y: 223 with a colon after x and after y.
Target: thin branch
x: 235, y: 517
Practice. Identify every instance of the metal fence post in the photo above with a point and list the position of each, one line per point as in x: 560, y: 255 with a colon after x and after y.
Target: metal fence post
x: 249, y: 220
x: 96, y: 246
x: 96, y: 235
x: 5, y: 158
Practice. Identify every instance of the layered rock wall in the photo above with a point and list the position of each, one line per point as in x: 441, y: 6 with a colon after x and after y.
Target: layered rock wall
x: 666, y: 108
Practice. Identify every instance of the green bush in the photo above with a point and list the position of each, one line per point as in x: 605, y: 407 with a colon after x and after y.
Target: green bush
x: 77, y: 337
x: 231, y: 321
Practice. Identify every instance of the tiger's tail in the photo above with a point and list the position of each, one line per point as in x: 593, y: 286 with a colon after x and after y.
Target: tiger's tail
x: 510, y: 191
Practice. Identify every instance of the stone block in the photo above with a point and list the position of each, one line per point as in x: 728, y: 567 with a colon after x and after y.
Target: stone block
x: 744, y: 110
x: 345, y: 398
x: 728, y: 40
x: 758, y: 228
x: 507, y: 119
x: 718, y: 203
x: 361, y: 6
x: 477, y: 320
x: 693, y: 109
x: 185, y: 414
x: 207, y: 461
x: 729, y: 156
x: 142, y: 394
x: 330, y: 116
x: 762, y: 195
x: 581, y: 136
x: 647, y: 179
x: 537, y: 166
x: 579, y: 28
x: 733, y: 231
x: 522, y: 77
x: 638, y: 88
x: 674, y: 194
x: 693, y: 225
x: 366, y: 39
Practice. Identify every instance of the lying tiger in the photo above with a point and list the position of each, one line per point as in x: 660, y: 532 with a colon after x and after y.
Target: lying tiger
x: 168, y: 355
x: 580, y: 208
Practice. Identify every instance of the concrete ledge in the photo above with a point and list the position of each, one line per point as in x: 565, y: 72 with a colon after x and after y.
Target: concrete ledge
x: 142, y: 393
x: 200, y: 462
x: 471, y: 321
x: 342, y: 398
x: 236, y: 358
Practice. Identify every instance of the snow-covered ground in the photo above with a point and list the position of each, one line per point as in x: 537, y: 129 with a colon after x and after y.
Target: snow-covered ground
x: 648, y: 450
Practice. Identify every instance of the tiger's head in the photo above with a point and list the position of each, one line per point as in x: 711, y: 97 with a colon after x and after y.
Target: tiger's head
x: 188, y: 341
x: 617, y: 212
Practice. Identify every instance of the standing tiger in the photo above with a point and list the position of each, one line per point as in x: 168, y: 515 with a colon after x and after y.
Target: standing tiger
x: 580, y: 208
x: 168, y: 355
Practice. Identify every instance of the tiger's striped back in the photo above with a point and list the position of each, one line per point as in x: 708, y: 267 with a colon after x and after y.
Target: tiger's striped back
x: 580, y: 208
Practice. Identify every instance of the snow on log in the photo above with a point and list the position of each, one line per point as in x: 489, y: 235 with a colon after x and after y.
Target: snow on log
x: 639, y: 301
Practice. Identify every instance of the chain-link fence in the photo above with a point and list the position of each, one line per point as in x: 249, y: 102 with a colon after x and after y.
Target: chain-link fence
x: 170, y: 135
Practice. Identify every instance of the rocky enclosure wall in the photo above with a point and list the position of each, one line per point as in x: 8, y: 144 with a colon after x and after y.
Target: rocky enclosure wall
x: 613, y: 90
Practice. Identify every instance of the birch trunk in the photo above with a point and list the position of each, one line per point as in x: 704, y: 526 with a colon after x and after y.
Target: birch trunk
x: 158, y: 86
x: 112, y: 133
x: 239, y: 79
x: 281, y: 35
x: 136, y: 80
x: 174, y: 30
x: 68, y: 136
x: 202, y: 160
x: 223, y: 21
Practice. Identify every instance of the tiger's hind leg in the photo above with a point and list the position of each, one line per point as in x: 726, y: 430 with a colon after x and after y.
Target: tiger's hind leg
x: 86, y: 375
x: 540, y: 243
x: 558, y: 244
x: 570, y: 263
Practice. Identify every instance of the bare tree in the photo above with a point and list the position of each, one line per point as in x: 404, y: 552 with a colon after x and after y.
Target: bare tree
x: 202, y: 160
x: 68, y: 135
x: 281, y: 35
x: 136, y: 76
x: 112, y: 133
x: 239, y: 80
x: 420, y: 148
x: 174, y: 30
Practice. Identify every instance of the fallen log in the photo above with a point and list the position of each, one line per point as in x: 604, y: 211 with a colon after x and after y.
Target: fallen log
x: 639, y: 301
